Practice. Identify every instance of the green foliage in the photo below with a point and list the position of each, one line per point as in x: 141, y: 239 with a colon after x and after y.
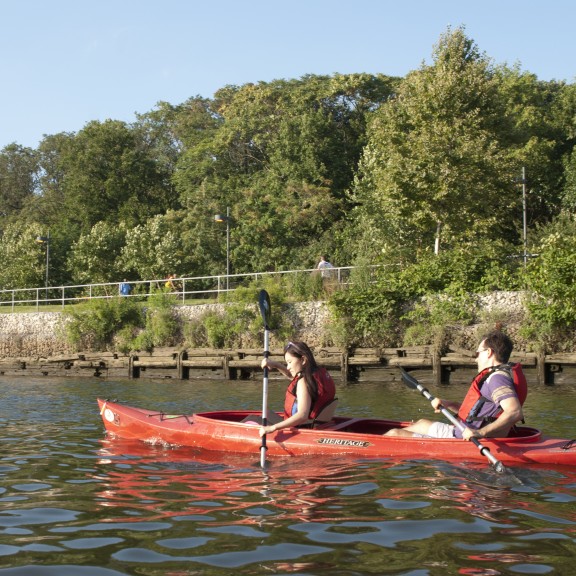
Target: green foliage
x: 124, y: 338
x: 23, y: 259
x: 111, y: 175
x: 122, y: 323
x: 194, y: 333
x: 232, y: 327
x: 467, y: 268
x: 431, y: 319
x: 435, y: 159
x: 422, y: 302
x: 281, y: 155
x: 94, y: 256
x: 239, y: 322
x: 153, y: 249
x: 367, y: 314
x: 304, y: 286
x: 162, y: 327
x: 551, y: 283
x: 92, y: 326
x: 249, y: 297
x: 569, y: 195
x: 18, y: 177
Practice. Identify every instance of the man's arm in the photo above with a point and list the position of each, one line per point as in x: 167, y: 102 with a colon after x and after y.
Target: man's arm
x: 511, y: 413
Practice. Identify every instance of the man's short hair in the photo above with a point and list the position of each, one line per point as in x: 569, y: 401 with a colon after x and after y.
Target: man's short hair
x: 500, y: 344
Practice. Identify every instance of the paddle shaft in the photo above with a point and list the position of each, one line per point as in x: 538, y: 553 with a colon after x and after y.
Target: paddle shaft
x: 265, y: 311
x: 498, y: 466
x: 265, y: 397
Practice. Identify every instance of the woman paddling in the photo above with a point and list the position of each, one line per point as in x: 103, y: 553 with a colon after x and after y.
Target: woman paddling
x: 310, y: 391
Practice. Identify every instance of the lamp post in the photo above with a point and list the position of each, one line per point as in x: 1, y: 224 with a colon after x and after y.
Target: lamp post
x: 222, y: 218
x: 524, y: 219
x: 46, y: 241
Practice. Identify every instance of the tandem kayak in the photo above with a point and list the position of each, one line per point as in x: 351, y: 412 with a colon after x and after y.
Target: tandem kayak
x: 225, y: 431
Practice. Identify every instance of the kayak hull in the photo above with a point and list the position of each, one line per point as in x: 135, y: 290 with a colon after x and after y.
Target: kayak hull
x: 225, y: 431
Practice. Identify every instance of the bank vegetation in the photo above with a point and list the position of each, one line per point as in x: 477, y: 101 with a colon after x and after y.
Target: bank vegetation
x: 456, y: 180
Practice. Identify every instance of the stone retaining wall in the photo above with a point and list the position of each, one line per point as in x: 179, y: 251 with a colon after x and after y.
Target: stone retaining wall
x: 38, y: 334
x: 35, y: 334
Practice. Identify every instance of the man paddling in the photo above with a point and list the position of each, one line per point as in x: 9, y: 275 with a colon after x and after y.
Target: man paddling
x: 494, y: 400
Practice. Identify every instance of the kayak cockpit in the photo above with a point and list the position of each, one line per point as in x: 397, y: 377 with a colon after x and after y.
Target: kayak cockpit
x: 375, y: 426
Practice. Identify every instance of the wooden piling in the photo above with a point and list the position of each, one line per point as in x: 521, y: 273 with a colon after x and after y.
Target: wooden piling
x: 437, y: 366
x: 456, y: 366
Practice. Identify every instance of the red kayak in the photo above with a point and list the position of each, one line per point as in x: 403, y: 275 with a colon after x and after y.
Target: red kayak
x: 224, y: 431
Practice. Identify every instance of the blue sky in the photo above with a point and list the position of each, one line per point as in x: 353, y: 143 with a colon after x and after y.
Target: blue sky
x: 67, y: 62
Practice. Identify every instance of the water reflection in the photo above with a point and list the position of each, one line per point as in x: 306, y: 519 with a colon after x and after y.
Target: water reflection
x: 203, y: 485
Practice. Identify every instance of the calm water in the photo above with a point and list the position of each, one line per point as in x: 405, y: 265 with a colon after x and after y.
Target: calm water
x: 73, y: 503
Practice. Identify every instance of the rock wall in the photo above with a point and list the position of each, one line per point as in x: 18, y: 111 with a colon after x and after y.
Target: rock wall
x: 39, y: 334
x: 31, y: 335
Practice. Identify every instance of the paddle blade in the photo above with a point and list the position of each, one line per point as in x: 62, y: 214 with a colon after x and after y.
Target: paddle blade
x: 409, y: 380
x: 265, y: 307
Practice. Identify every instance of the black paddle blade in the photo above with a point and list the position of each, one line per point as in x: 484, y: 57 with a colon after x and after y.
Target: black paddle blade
x: 265, y: 307
x: 409, y: 380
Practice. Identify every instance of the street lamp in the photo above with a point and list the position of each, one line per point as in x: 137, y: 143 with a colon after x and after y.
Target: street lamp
x: 46, y: 241
x: 522, y: 181
x: 222, y: 218
x: 524, y: 220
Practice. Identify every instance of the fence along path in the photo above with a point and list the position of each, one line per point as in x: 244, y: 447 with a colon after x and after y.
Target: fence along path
x: 185, y: 287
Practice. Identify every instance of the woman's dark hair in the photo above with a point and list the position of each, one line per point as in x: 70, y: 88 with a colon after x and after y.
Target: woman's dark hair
x: 500, y: 344
x: 302, y: 350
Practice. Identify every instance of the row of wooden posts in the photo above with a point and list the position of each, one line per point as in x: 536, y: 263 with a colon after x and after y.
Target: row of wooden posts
x: 359, y: 364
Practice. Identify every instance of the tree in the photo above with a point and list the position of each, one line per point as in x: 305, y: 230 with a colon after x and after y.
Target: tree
x: 95, y: 256
x: 536, y: 139
x: 152, y: 249
x: 551, y: 285
x: 566, y: 110
x: 282, y: 155
x: 23, y: 259
x: 110, y: 173
x: 18, y: 177
x: 434, y: 163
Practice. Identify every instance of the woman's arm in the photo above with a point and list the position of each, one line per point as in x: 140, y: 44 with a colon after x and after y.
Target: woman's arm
x: 276, y: 366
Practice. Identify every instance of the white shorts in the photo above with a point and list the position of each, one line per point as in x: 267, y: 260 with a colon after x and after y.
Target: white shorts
x: 440, y: 430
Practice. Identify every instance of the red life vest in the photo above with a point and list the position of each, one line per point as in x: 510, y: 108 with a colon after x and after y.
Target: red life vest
x: 326, y: 393
x: 473, y: 401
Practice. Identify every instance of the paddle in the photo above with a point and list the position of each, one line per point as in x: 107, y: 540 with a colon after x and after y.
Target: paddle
x: 415, y: 385
x: 265, y: 310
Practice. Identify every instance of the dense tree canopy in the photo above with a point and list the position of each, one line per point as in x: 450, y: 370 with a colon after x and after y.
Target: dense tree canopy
x: 359, y: 166
x: 441, y: 157
x: 18, y: 178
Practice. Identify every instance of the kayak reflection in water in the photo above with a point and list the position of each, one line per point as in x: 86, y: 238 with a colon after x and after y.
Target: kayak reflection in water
x: 493, y: 403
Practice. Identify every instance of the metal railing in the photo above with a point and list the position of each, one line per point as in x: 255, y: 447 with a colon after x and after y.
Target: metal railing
x: 184, y: 288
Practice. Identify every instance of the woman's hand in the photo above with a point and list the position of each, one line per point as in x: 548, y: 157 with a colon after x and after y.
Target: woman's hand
x: 267, y: 429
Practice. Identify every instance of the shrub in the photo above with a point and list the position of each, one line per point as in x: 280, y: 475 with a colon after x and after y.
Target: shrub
x: 432, y: 319
x: 162, y: 327
x: 551, y: 282
x: 92, y: 326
